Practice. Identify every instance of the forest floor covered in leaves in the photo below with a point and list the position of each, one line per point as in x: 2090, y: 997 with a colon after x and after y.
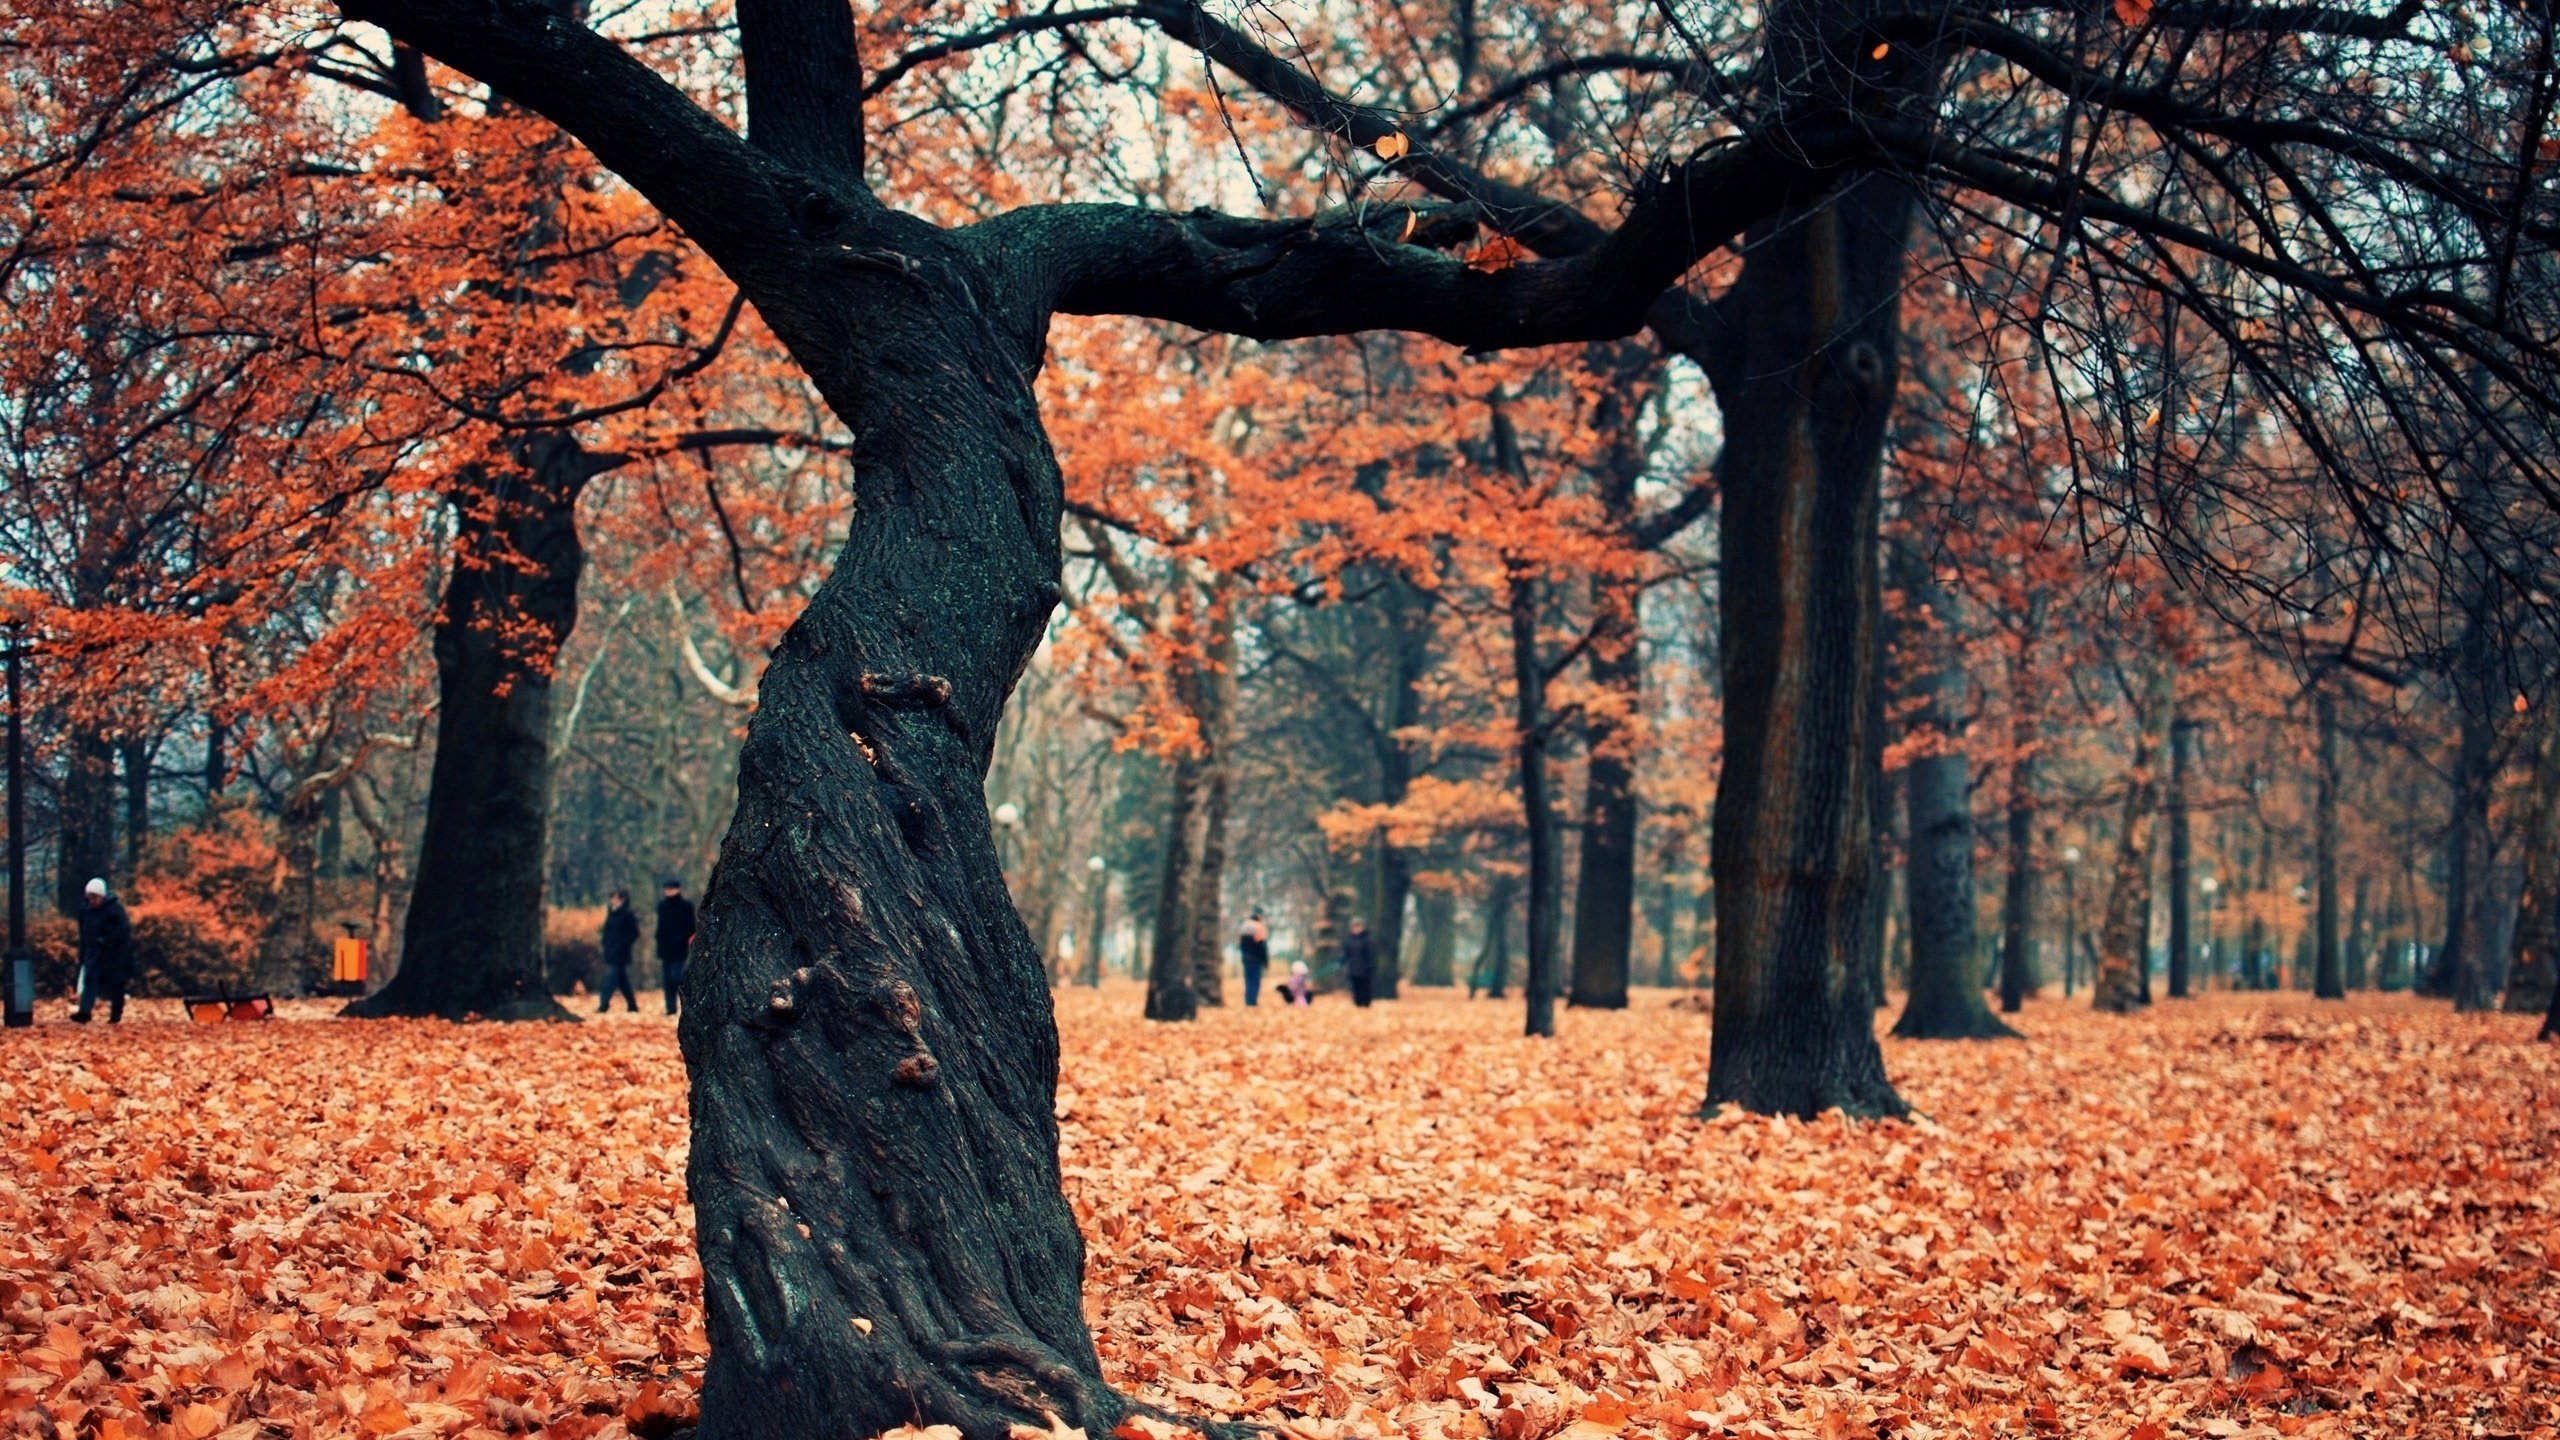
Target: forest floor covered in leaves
x: 2239, y: 1216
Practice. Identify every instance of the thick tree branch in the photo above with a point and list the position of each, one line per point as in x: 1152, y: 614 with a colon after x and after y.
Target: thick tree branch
x: 1349, y: 270
x: 736, y: 202
x: 804, y: 85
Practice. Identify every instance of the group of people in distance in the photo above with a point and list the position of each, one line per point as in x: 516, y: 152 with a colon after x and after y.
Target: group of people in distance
x: 622, y: 936
x: 1358, y: 955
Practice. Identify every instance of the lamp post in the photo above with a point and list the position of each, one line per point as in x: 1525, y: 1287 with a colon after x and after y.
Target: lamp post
x: 2070, y: 919
x: 1097, y: 903
x: 21, y: 999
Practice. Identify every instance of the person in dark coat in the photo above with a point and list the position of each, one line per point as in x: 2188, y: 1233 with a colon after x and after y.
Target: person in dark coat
x: 1254, y: 948
x: 621, y: 934
x: 675, y: 940
x: 1359, y: 962
x: 106, y: 954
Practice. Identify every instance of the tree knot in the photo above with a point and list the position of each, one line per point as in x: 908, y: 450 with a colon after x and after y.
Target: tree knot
x: 918, y: 1071
x: 907, y: 692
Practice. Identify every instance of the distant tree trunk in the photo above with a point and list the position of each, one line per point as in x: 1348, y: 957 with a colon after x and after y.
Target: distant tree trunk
x: 1810, y: 361
x: 2124, y: 936
x: 289, y: 952
x: 86, y: 847
x: 1395, y: 888
x: 1206, y: 914
x: 2257, y: 956
x: 1493, y: 963
x: 1436, y: 912
x: 1946, y: 945
x: 2018, y: 904
x: 1666, y: 927
x: 1097, y: 926
x: 2329, y: 967
x: 473, y: 942
x: 1537, y: 804
x: 1702, y: 936
x: 136, y: 756
x: 2358, y: 973
x: 1604, y: 903
x: 2532, y: 969
x: 2461, y: 970
x: 1169, y: 994
x: 2182, y: 882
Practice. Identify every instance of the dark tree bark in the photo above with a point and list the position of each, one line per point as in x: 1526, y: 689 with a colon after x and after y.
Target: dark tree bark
x: 1435, y: 911
x: 1395, y: 890
x: 1169, y: 993
x: 1806, y: 381
x: 472, y: 943
x: 1946, y: 945
x: 289, y: 953
x: 85, y: 848
x: 2329, y: 969
x: 1206, y: 913
x: 2018, y: 901
x: 2124, y: 934
x: 1493, y: 961
x: 1538, y: 808
x: 2461, y: 969
x: 2535, y: 961
x: 2182, y: 943
x: 135, y: 756
x: 1604, y: 904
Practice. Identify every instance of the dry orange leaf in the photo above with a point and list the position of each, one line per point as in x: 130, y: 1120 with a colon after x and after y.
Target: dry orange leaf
x: 1495, y: 255
x: 1394, y: 145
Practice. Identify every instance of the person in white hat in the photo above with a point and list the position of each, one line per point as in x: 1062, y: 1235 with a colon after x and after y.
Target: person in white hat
x: 106, y: 953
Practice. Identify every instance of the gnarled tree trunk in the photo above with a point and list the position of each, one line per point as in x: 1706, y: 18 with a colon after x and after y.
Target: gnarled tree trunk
x: 1806, y: 384
x: 472, y: 944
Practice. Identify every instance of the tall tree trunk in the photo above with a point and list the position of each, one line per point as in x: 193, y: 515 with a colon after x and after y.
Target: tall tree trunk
x: 289, y: 953
x: 1537, y: 805
x: 86, y: 848
x: 1493, y: 962
x: 2018, y: 903
x: 1604, y: 904
x: 1806, y: 383
x: 2358, y: 973
x: 1169, y: 993
x: 2536, y: 960
x: 1206, y: 914
x: 2182, y: 883
x: 2329, y: 969
x: 136, y: 758
x: 1666, y: 927
x: 868, y: 1026
x: 1946, y: 943
x: 1435, y: 911
x: 473, y: 941
x: 1395, y: 887
x: 2124, y: 935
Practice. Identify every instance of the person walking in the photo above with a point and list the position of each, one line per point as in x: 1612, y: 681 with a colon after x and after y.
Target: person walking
x: 106, y: 953
x: 675, y: 939
x: 1359, y: 962
x: 621, y: 936
x: 1254, y: 948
